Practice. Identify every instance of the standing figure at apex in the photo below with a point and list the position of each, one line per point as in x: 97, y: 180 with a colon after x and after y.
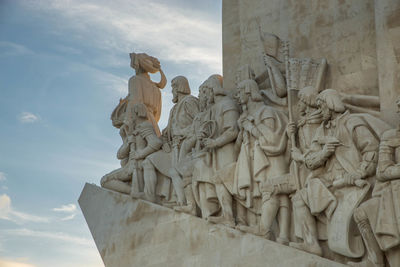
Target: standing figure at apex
x: 143, y: 90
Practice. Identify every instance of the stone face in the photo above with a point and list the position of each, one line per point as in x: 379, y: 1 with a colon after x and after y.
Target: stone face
x: 130, y: 232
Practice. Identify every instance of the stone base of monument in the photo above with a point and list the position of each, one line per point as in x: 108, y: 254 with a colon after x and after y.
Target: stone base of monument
x: 131, y: 232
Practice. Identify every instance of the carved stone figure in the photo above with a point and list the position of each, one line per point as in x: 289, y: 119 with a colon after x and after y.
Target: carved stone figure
x: 309, y: 120
x: 143, y: 90
x: 343, y: 154
x: 137, y: 145
x: 193, y: 158
x: 378, y: 219
x: 178, y: 129
x: 263, y: 164
x: 203, y: 127
x: 119, y: 179
x: 223, y: 113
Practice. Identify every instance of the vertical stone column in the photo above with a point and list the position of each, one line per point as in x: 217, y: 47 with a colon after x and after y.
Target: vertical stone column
x: 231, y: 50
x: 387, y: 25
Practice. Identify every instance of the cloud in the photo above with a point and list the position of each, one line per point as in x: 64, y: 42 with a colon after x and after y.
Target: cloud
x: 169, y: 32
x: 69, y: 217
x: 10, y: 214
x: 27, y: 117
x: 2, y: 176
x: 58, y: 236
x: 14, y: 263
x: 13, y: 49
x: 70, y: 208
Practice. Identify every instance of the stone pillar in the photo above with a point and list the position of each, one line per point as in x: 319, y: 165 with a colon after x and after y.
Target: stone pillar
x: 387, y: 24
x: 230, y: 41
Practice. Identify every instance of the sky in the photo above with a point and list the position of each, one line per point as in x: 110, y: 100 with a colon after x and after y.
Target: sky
x: 64, y: 65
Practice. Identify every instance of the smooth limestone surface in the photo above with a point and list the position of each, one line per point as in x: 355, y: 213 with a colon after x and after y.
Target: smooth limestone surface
x: 130, y: 232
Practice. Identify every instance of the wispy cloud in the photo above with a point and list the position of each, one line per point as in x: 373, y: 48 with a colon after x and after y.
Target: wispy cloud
x: 169, y: 32
x: 7, y: 212
x: 69, y: 209
x: 28, y: 117
x: 2, y: 176
x: 58, y: 236
x: 14, y: 263
x: 13, y: 49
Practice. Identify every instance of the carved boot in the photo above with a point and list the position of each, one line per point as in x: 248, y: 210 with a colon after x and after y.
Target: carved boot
x: 241, y: 213
x: 190, y: 208
x: 222, y: 220
x: 269, y: 210
x: 375, y: 255
x: 309, y: 227
x: 150, y: 181
x: 178, y: 186
x: 225, y: 200
x: 249, y: 229
x: 284, y: 226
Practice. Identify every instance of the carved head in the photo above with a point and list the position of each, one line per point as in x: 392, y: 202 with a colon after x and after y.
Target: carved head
x: 180, y: 85
x: 329, y: 102
x: 307, y: 97
x: 248, y: 89
x: 215, y: 84
x: 203, y: 97
x: 143, y: 63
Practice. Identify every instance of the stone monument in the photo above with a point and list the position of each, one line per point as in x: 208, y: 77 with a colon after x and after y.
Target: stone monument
x: 291, y: 158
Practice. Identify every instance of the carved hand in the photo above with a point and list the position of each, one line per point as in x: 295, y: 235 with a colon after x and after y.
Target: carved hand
x: 297, y: 155
x: 210, y: 143
x: 291, y: 128
x: 268, y: 60
x: 329, y: 149
x: 350, y: 179
x: 131, y: 139
x: 137, y: 155
x: 247, y: 125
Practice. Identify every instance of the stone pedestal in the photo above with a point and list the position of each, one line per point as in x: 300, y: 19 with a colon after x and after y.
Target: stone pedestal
x: 131, y: 232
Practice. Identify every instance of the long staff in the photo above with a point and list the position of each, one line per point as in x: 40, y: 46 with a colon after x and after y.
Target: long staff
x: 290, y: 108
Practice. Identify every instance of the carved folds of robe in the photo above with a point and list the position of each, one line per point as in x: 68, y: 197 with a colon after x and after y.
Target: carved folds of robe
x: 143, y: 90
x: 358, y: 136
x: 261, y: 159
x: 384, y: 206
x: 219, y: 165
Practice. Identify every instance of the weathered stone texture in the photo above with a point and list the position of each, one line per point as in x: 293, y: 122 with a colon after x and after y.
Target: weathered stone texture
x: 341, y: 31
x: 131, y: 232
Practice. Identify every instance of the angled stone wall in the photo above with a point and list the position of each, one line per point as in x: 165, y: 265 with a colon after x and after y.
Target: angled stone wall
x: 131, y: 232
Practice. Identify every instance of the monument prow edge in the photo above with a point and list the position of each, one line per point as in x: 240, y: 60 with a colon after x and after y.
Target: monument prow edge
x: 134, y: 232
